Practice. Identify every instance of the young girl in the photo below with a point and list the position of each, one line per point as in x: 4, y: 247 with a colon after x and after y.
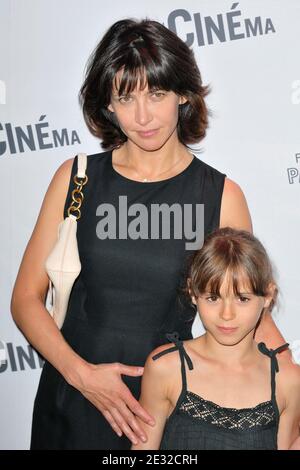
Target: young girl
x: 230, y: 395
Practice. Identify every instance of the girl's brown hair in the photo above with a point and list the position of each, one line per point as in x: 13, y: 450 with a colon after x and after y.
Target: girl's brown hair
x: 142, y: 49
x: 235, y: 251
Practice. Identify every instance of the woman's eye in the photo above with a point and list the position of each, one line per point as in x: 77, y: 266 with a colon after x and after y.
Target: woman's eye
x: 124, y: 98
x: 158, y: 94
x: 127, y: 98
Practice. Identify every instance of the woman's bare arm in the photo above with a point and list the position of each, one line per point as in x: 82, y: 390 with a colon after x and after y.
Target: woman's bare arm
x: 101, y: 384
x: 268, y: 332
x: 31, y: 285
x: 235, y: 213
x: 234, y: 209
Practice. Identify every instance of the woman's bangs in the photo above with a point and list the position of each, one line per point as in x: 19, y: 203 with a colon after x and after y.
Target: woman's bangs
x: 140, y: 73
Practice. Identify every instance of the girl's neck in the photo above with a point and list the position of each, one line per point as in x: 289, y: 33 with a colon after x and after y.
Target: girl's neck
x: 236, y: 355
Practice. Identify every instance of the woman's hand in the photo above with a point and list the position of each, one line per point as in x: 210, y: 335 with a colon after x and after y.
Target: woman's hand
x: 103, y: 386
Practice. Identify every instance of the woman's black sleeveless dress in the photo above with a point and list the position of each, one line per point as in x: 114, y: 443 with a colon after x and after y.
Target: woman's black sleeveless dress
x: 127, y: 296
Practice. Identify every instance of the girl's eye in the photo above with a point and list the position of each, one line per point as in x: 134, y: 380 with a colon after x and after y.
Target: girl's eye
x: 212, y: 298
x: 243, y: 299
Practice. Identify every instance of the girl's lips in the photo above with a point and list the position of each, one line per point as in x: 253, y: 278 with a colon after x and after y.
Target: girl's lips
x: 226, y: 329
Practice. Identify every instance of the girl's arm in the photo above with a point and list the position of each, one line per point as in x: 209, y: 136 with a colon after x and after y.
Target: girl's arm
x: 296, y: 443
x: 154, y: 397
x: 289, y: 423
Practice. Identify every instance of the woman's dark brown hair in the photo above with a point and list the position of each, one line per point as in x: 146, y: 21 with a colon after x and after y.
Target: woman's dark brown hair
x: 237, y: 252
x: 142, y: 49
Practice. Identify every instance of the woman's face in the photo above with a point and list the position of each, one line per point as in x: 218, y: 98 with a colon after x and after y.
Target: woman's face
x: 229, y: 318
x: 142, y: 111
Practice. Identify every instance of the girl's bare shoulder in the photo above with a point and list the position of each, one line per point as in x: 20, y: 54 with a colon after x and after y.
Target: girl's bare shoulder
x: 164, y: 363
x: 288, y: 379
x: 162, y: 375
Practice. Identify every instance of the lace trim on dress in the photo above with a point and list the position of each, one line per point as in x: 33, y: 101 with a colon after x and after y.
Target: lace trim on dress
x: 229, y: 418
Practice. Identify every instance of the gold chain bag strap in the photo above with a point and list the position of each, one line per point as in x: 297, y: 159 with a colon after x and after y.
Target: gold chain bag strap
x: 63, y: 263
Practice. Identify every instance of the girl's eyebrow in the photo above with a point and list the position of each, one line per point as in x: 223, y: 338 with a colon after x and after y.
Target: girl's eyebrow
x: 239, y: 293
x: 209, y: 293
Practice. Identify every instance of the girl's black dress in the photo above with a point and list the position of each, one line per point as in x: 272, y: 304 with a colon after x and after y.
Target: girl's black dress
x: 199, y: 424
x: 127, y: 296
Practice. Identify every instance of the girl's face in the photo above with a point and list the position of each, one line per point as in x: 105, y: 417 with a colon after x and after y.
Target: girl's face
x: 230, y: 318
x: 147, y: 117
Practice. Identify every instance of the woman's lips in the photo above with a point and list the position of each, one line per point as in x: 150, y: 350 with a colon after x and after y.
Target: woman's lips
x: 148, y: 133
x: 226, y: 329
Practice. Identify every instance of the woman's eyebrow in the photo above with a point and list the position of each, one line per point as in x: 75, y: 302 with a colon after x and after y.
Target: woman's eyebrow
x: 150, y: 90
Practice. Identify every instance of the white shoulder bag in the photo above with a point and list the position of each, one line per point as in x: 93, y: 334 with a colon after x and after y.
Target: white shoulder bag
x: 63, y: 263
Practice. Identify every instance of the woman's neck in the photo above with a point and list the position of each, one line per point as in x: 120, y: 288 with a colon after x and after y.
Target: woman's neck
x: 159, y: 160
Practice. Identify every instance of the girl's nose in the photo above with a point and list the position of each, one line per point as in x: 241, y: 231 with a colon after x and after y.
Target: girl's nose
x: 227, y: 311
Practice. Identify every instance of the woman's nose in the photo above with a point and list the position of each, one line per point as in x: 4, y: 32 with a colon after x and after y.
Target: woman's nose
x: 143, y: 114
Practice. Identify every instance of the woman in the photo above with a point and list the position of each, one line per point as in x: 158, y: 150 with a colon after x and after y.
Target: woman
x: 125, y: 298
x: 230, y: 397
